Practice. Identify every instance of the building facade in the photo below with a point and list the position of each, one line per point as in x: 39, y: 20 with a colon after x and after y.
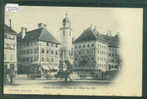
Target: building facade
x: 10, y: 51
x: 93, y: 54
x: 38, y: 48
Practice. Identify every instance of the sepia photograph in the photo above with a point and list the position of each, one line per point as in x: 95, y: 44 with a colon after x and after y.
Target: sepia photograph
x: 52, y: 50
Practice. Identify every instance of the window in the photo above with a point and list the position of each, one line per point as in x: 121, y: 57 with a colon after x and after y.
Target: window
x: 47, y: 51
x: 63, y: 33
x: 47, y: 44
x: 27, y: 43
x: 75, y: 58
x: 84, y: 46
x: 92, y: 45
x: 52, y: 52
x: 31, y: 44
x: 31, y: 59
x: 47, y: 59
x: 52, y: 60
x: 88, y: 45
x: 79, y: 52
x: 5, y: 57
x: 87, y: 51
x: 42, y: 58
x: 27, y: 59
x: 79, y: 46
x: 42, y: 51
x: 31, y: 51
x: 56, y: 53
x: 27, y: 51
x: 5, y: 35
x: 35, y: 50
x: 56, y: 45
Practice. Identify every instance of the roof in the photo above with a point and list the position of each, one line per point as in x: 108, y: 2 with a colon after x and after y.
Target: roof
x: 92, y: 35
x: 9, y: 30
x: 114, y: 42
x: 87, y: 35
x: 40, y: 34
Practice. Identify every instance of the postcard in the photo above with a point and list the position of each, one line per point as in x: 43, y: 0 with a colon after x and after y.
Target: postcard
x: 92, y: 51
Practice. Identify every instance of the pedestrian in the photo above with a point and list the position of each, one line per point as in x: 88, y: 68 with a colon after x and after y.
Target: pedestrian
x: 11, y: 76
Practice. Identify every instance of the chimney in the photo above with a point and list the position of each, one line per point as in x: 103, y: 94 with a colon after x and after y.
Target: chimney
x: 10, y: 23
x: 23, y: 32
x: 41, y: 25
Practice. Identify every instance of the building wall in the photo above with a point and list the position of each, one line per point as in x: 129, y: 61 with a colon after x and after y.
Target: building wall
x: 40, y: 53
x: 102, y: 52
x: 49, y: 54
x: 28, y: 53
x: 94, y: 58
x: 113, y: 58
x: 10, y: 50
x: 84, y: 56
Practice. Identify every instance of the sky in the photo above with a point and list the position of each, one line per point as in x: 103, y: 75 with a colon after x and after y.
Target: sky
x: 105, y: 19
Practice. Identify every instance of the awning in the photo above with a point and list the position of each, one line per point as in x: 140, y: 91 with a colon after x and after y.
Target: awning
x: 46, y: 67
x: 49, y: 68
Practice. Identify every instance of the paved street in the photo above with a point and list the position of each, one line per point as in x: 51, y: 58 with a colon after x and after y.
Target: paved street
x: 26, y: 83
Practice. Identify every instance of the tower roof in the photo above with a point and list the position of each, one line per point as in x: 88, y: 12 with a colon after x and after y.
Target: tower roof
x: 40, y: 34
x: 66, y: 19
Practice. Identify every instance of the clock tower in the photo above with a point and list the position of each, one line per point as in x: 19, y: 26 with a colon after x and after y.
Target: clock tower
x: 66, y: 42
